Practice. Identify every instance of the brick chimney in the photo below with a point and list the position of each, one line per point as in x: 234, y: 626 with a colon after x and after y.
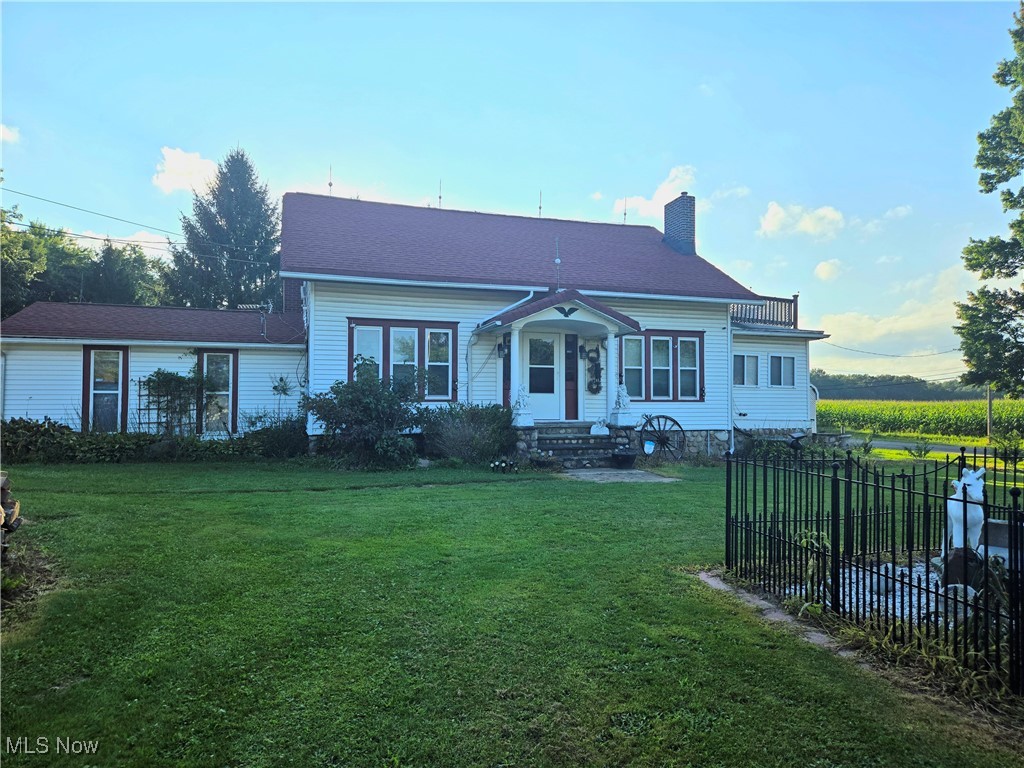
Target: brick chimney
x: 681, y: 224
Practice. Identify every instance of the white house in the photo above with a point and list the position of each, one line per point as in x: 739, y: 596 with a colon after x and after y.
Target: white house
x: 567, y: 322
x: 83, y: 364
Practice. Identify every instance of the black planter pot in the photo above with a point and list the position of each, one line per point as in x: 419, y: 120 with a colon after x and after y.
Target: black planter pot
x: 623, y: 459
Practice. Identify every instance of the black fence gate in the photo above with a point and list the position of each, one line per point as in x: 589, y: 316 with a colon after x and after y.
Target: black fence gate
x: 874, y: 546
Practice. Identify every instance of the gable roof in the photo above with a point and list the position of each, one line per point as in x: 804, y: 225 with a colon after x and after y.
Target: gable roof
x: 338, y: 237
x: 555, y: 299
x: 109, y: 322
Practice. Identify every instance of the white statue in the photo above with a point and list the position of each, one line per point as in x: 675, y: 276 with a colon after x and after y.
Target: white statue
x: 622, y: 399
x: 970, y: 479
x: 521, y: 416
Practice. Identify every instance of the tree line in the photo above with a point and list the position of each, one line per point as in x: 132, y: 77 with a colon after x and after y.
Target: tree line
x: 862, y: 386
x: 229, y: 255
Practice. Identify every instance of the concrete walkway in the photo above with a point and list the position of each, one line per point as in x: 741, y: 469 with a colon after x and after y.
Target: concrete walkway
x: 617, y: 476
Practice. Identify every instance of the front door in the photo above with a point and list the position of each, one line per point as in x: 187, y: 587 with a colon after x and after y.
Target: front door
x: 544, y: 377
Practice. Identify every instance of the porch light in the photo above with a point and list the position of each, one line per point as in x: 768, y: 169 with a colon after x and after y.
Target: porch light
x: 502, y: 350
x: 583, y: 351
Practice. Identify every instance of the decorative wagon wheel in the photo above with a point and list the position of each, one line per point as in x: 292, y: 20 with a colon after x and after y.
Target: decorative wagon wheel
x: 662, y: 436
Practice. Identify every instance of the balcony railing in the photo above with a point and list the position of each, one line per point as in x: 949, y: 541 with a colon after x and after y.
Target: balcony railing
x: 775, y: 311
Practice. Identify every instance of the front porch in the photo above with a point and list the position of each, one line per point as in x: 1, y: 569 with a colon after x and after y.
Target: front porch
x: 570, y: 444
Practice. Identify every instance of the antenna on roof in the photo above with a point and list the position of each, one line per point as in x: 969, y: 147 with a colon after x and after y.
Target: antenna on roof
x: 624, y: 210
x: 540, y: 205
x: 438, y: 193
x: 330, y: 181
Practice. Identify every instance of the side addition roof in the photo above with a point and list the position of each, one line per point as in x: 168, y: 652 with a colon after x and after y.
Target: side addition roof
x: 330, y: 237
x: 114, y: 322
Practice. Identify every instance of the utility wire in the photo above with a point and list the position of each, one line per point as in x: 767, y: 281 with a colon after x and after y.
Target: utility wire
x: 128, y: 221
x: 886, y: 354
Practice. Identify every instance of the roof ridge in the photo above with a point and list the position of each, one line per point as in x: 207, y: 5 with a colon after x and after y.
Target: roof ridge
x: 149, y: 306
x: 476, y: 213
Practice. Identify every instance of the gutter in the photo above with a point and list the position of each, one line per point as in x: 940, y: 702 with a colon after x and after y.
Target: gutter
x: 147, y: 343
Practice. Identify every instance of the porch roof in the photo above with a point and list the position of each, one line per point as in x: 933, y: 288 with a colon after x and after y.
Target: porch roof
x: 555, y: 299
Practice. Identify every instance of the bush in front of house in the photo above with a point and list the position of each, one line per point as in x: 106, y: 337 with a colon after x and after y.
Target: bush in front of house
x: 366, y: 420
x: 31, y: 440
x: 473, y: 434
x: 283, y: 438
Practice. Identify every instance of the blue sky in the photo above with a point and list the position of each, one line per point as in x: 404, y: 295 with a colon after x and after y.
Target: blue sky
x: 830, y: 146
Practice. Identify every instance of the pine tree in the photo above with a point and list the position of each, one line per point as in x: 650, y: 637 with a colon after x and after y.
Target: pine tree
x: 230, y: 255
x: 991, y: 326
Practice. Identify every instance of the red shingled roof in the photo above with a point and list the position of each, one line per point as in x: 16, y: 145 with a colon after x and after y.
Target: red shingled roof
x: 46, y: 320
x: 340, y: 237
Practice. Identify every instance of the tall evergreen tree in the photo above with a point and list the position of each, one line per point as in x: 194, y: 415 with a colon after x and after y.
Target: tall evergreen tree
x: 991, y: 325
x: 123, y: 275
x: 230, y: 255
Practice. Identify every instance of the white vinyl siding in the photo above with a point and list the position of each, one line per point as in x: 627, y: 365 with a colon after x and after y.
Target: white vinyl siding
x: 774, y: 407
x: 43, y: 380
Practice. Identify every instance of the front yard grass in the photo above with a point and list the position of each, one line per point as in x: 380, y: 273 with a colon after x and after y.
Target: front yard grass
x: 271, y: 615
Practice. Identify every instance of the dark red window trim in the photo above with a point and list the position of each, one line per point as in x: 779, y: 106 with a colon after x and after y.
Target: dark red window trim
x: 200, y: 367
x: 675, y: 336
x: 421, y: 327
x: 87, y: 350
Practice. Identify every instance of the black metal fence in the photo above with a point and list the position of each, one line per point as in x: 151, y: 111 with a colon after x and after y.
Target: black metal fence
x: 874, y: 546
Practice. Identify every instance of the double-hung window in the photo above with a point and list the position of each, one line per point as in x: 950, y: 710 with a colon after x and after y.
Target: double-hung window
x: 689, y: 369
x: 422, y: 354
x: 368, y: 344
x: 744, y: 370
x: 439, y: 364
x: 663, y: 365
x: 782, y: 371
x: 633, y: 366
x: 661, y: 369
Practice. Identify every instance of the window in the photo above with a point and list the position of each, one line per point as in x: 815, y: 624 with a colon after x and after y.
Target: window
x: 661, y: 369
x: 663, y: 365
x: 782, y: 369
x: 403, y: 354
x: 633, y: 366
x: 744, y: 370
x: 217, y: 394
x: 368, y: 345
x: 439, y: 364
x: 689, y: 376
x: 399, y: 350
x: 105, y: 397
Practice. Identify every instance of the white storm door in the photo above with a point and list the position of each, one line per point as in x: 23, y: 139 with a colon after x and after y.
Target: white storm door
x: 544, y: 375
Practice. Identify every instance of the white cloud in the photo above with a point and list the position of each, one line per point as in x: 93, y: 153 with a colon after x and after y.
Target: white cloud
x: 678, y: 180
x: 9, y: 134
x: 888, y: 259
x: 822, y: 223
x: 742, y: 265
x: 152, y: 244
x: 828, y: 270
x: 706, y: 89
x: 899, y: 212
x: 597, y: 196
x: 181, y: 170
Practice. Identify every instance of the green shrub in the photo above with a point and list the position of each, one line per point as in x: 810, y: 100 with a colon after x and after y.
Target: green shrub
x: 282, y: 440
x: 30, y: 440
x: 474, y: 434
x: 368, y: 420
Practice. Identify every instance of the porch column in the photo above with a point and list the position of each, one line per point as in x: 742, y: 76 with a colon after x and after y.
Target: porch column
x: 521, y: 416
x: 612, y: 358
x: 619, y: 414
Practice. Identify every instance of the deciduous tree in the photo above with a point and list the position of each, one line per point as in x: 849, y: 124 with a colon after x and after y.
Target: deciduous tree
x: 991, y: 325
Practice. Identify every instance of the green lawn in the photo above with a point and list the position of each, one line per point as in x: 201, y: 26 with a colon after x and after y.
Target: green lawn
x: 260, y: 615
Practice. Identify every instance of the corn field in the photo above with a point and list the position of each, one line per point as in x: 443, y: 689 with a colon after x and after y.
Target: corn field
x: 964, y: 417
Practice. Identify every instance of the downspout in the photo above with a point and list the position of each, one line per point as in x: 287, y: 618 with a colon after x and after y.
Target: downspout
x: 3, y: 382
x: 728, y: 378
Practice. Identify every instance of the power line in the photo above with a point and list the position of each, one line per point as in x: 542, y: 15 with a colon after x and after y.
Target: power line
x: 163, y: 247
x: 86, y: 210
x: 886, y: 354
x: 134, y: 223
